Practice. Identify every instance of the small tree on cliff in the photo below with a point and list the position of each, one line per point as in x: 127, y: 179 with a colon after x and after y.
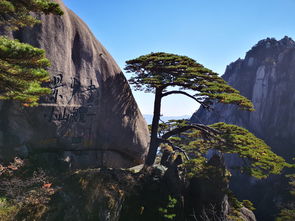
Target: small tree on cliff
x: 22, y: 67
x: 158, y: 72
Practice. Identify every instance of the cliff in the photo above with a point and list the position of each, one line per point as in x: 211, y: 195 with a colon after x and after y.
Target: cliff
x: 91, y: 118
x: 267, y: 77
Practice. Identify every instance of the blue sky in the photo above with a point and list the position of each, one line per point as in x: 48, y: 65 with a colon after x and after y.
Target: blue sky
x: 213, y: 32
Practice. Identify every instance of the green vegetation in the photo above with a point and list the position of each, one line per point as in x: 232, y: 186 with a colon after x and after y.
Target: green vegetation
x: 158, y: 72
x: 196, y: 140
x: 258, y: 159
x: 7, y: 209
x: 288, y: 213
x: 248, y: 204
x: 166, y: 212
x: 22, y: 67
x: 22, y: 71
x: 16, y: 13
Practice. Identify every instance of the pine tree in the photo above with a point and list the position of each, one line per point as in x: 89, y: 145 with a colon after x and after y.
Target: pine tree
x: 158, y: 72
x: 23, y: 67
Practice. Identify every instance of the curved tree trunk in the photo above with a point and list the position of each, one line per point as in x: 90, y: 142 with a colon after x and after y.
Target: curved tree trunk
x: 150, y: 159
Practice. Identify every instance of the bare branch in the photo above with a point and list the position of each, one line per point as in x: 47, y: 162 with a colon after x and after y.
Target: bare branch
x: 176, y: 148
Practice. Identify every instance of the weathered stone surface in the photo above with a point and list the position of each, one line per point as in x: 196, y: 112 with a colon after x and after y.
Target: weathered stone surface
x: 247, y: 215
x: 91, y: 116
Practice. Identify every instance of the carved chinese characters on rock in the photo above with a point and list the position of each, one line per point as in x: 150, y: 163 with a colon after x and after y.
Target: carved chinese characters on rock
x: 72, y: 107
x: 55, y: 84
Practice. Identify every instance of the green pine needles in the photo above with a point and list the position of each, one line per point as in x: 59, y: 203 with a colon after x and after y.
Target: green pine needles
x: 16, y: 13
x: 258, y: 159
x: 22, y: 66
x: 162, y: 70
x: 22, y: 70
x: 196, y: 140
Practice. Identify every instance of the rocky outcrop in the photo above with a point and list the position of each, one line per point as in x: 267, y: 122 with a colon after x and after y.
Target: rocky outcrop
x: 247, y: 215
x: 107, y: 194
x: 91, y: 118
x: 267, y: 77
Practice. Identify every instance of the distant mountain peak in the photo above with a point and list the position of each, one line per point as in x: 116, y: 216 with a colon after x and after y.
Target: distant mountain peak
x: 271, y: 44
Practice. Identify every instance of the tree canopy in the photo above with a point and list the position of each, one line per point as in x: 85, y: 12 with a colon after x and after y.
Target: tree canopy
x: 196, y: 140
x: 22, y: 66
x: 162, y: 70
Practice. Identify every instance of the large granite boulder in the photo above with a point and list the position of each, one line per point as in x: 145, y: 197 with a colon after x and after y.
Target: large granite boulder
x: 91, y: 118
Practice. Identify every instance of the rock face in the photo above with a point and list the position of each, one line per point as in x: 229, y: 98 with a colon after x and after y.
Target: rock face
x: 267, y: 77
x: 247, y: 215
x: 91, y: 119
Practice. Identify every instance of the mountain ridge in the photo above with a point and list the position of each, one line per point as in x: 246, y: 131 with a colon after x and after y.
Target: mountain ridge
x: 267, y: 77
